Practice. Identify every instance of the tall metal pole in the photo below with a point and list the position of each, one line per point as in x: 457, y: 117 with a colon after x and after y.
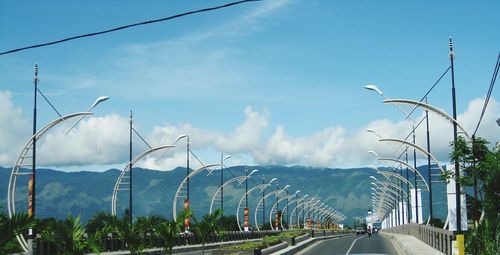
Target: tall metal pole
x: 130, y: 170
x: 408, y: 207
x: 402, y: 198
x: 32, y: 187
x: 287, y: 218
x: 457, y: 167
x: 263, y: 202
x: 246, y: 188
x: 187, y: 168
x: 429, y: 171
x: 415, y: 180
x: 277, y: 205
x: 222, y: 182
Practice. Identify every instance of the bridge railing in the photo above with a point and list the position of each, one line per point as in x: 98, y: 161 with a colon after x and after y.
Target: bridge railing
x: 437, y: 238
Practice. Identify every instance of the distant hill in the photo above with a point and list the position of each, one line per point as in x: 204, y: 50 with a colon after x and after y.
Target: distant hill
x: 85, y: 193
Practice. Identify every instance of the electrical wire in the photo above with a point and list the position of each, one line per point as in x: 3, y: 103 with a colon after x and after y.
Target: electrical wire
x: 488, y: 95
x: 125, y: 27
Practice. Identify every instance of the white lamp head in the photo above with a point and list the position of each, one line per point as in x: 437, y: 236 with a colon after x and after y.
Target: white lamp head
x: 180, y: 137
x: 99, y: 100
x: 273, y: 180
x: 253, y: 171
x: 374, y: 153
x: 226, y: 157
x: 286, y: 187
x: 374, y: 88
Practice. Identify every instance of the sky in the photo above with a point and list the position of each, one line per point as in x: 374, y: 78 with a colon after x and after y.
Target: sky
x: 268, y: 82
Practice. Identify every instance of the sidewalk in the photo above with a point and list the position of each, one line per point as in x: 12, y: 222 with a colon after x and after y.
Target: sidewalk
x: 410, y: 245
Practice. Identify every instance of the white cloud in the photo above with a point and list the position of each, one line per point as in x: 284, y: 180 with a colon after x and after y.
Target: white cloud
x: 14, y: 129
x: 104, y: 140
x: 96, y: 140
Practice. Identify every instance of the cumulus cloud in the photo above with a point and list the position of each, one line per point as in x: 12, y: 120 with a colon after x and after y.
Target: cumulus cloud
x: 104, y: 140
x: 96, y: 140
x: 13, y: 129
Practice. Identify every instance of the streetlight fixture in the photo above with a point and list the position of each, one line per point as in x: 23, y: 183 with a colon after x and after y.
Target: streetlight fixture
x: 96, y: 102
x: 407, y: 115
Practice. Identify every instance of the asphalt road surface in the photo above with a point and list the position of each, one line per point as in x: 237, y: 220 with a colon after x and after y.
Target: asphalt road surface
x: 361, y: 244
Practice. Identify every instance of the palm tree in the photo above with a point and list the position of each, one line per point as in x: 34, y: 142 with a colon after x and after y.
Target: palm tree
x: 207, y: 227
x: 11, y: 227
x: 68, y: 236
x: 169, y: 229
x: 146, y: 226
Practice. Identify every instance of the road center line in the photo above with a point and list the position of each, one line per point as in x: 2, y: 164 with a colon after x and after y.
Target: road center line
x: 352, y: 245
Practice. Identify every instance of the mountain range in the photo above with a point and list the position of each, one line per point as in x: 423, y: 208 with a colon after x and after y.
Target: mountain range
x: 84, y: 193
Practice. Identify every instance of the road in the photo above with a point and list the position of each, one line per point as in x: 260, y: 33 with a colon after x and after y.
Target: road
x: 362, y: 244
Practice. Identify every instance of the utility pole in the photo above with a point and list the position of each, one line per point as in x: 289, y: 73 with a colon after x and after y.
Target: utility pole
x: 130, y: 170
x: 457, y: 166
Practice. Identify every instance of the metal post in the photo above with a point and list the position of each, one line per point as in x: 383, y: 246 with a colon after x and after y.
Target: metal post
x: 32, y: 191
x: 287, y: 218
x: 187, y: 168
x: 408, y: 207
x: 246, y: 188
x: 402, y: 198
x: 222, y: 182
x: 263, y: 203
x: 429, y: 172
x: 457, y: 166
x: 130, y: 170
x: 277, y: 205
x: 415, y: 180
x: 476, y: 205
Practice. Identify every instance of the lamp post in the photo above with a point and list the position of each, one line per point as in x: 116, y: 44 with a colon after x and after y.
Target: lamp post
x: 130, y: 169
x: 376, y: 89
x: 222, y: 159
x: 187, y: 201
x: 457, y: 166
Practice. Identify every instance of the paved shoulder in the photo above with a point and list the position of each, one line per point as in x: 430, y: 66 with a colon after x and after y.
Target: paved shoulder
x: 410, y: 245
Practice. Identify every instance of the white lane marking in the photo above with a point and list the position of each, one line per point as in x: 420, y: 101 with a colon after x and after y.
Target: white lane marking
x: 352, y: 245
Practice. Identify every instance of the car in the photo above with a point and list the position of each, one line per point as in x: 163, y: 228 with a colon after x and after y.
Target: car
x: 360, y: 231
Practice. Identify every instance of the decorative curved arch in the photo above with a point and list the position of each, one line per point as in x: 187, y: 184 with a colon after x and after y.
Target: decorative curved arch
x: 290, y: 198
x: 238, y: 179
x: 184, y: 182
x: 409, y: 167
x: 430, y: 108
x: 420, y: 149
x: 397, y: 176
x: 126, y: 170
x: 262, y: 187
x: 275, y: 193
x: 16, y: 169
x: 386, y: 183
x: 309, y: 209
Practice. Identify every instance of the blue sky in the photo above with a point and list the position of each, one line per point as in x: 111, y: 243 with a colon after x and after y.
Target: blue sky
x: 270, y: 82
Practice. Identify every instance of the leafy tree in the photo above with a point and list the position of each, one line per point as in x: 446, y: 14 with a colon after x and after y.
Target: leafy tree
x: 481, y: 169
x: 207, y: 226
x: 11, y: 227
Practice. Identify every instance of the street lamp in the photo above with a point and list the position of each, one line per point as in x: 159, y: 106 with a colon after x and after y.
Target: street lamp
x: 96, y: 102
x: 407, y: 115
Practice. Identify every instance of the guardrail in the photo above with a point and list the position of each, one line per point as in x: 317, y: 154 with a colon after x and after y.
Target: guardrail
x: 437, y: 238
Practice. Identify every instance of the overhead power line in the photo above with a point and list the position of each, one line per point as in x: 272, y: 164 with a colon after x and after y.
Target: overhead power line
x: 488, y: 95
x: 126, y: 26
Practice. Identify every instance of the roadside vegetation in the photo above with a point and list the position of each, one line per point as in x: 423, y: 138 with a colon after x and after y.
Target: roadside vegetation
x: 480, y: 168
